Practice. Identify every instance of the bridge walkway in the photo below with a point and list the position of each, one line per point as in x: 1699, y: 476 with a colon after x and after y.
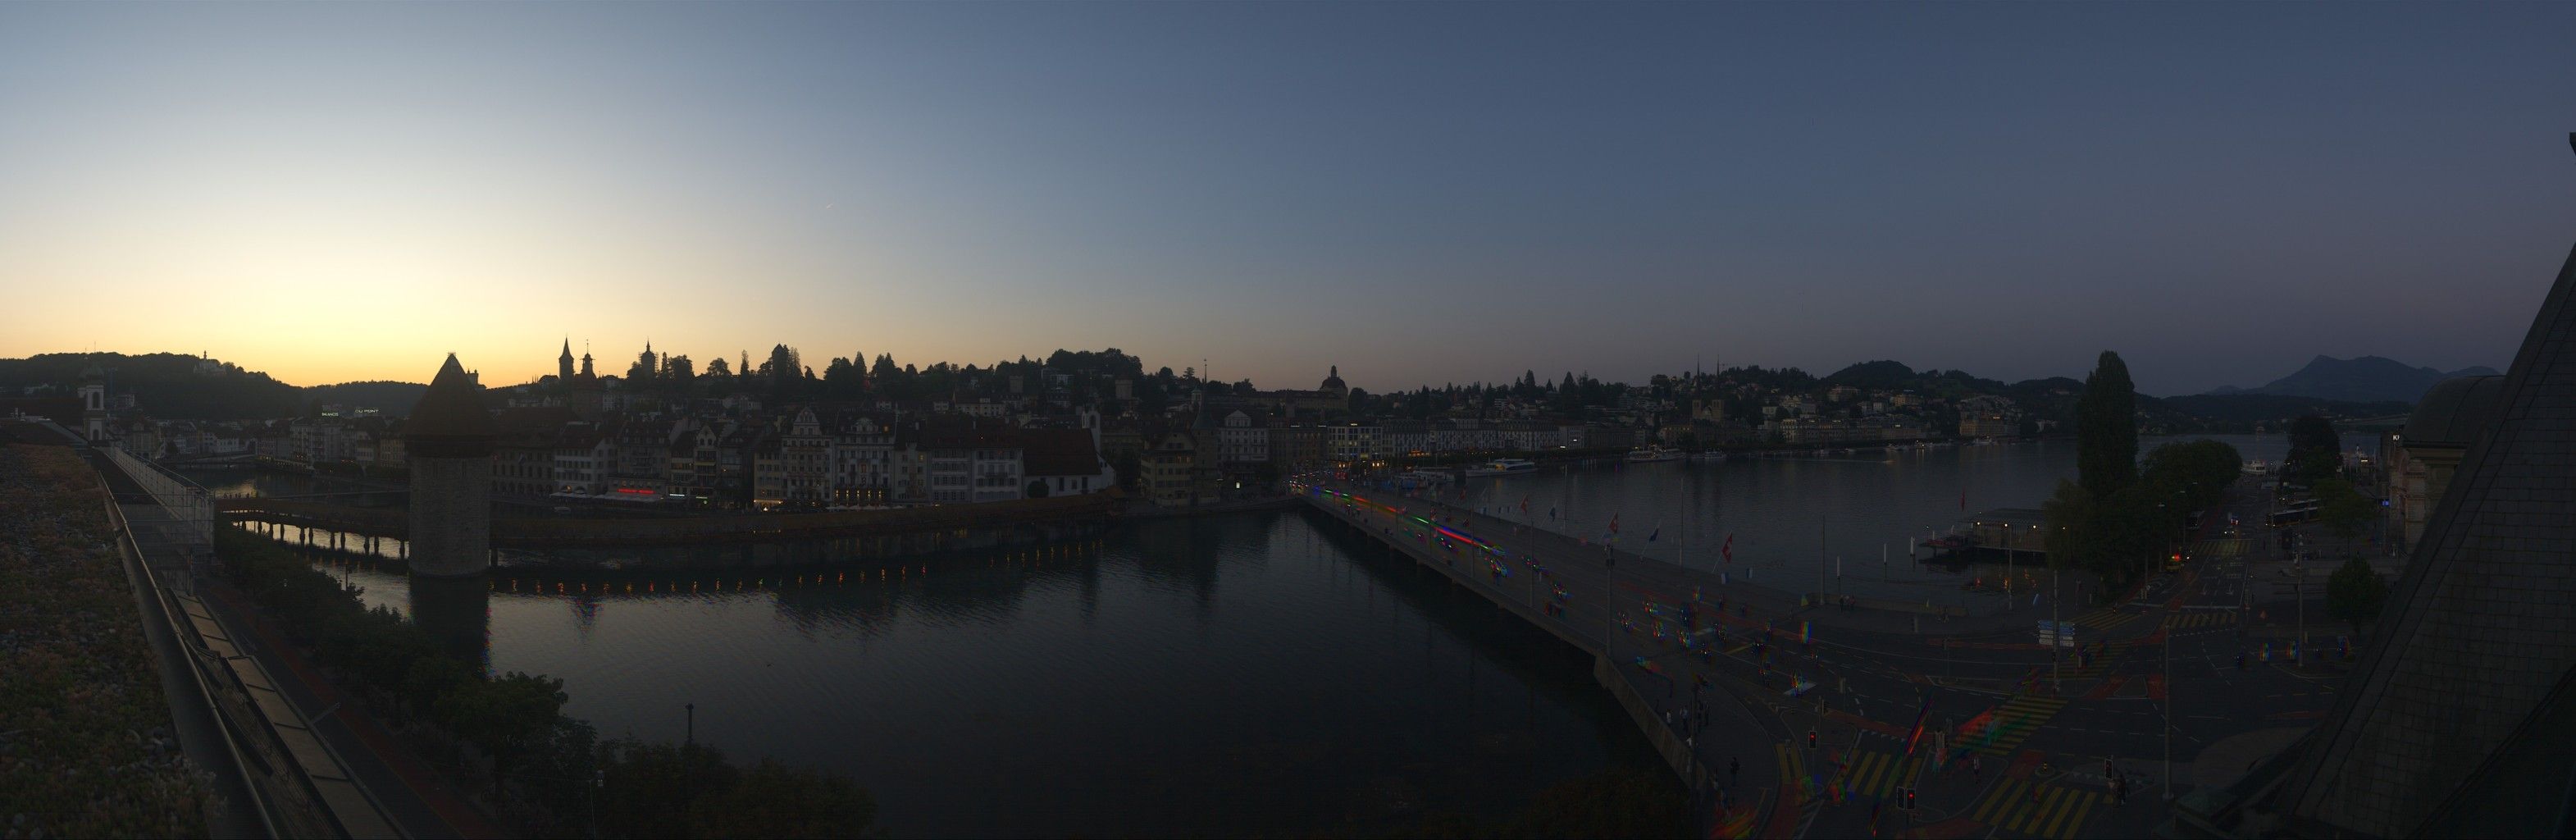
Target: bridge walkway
x: 1636, y: 636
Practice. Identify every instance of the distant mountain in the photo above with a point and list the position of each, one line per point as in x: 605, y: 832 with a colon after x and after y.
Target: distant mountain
x: 171, y: 386
x: 2242, y: 410
x: 2368, y: 379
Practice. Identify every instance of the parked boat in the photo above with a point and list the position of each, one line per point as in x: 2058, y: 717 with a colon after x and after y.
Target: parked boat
x: 1652, y: 454
x: 1502, y: 466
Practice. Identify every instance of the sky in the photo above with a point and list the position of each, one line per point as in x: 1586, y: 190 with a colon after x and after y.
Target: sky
x: 1417, y: 193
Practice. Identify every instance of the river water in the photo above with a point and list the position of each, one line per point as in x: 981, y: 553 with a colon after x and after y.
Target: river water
x: 1793, y: 517
x: 1249, y: 674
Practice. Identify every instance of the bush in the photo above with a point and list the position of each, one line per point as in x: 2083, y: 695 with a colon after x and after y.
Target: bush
x: 2355, y: 594
x: 85, y: 747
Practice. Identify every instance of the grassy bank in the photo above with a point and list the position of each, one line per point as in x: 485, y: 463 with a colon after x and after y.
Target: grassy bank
x: 85, y: 743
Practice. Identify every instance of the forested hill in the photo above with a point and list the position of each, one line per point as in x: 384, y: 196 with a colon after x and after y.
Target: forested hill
x: 173, y: 387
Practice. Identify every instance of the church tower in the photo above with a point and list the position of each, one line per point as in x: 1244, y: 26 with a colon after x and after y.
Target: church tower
x: 449, y: 439
x: 563, y: 364
x: 93, y: 394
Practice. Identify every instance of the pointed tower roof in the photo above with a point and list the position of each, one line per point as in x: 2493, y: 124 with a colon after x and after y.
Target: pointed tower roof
x: 452, y: 408
x: 2479, y: 634
x: 567, y: 353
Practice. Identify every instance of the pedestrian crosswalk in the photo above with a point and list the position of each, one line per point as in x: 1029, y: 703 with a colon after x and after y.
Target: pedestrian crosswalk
x: 1794, y: 781
x: 2200, y: 619
x: 2222, y: 548
x: 2002, y: 729
x: 2096, y: 659
x: 1878, y: 774
x: 2034, y: 808
x: 2105, y: 620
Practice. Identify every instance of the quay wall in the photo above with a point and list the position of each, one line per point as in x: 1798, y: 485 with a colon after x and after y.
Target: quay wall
x: 1694, y: 774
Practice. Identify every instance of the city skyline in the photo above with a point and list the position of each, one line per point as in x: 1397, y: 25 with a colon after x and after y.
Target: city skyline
x: 1417, y: 194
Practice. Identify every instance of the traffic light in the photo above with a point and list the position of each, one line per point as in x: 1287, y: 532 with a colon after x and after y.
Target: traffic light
x: 1905, y: 799
x: 1811, y: 739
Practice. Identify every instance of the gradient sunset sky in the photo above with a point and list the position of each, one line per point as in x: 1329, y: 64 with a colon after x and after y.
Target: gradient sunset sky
x: 1418, y: 193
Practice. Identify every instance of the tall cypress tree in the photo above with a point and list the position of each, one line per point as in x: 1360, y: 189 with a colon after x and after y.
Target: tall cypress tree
x: 2106, y: 429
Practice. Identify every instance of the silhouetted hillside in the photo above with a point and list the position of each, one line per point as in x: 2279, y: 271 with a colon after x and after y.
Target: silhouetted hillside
x: 174, y: 387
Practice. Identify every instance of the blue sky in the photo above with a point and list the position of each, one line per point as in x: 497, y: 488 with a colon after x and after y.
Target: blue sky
x: 1415, y: 192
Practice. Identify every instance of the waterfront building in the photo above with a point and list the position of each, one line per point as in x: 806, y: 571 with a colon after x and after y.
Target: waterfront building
x: 970, y: 462
x: 1169, y: 466
x: 582, y: 455
x: 523, y: 453
x: 1243, y: 439
x: 1298, y: 448
x: 805, y: 455
x: 862, y: 461
x: 1063, y: 462
x: 768, y: 476
x: 1357, y: 442
x: 2422, y: 457
x: 1988, y: 424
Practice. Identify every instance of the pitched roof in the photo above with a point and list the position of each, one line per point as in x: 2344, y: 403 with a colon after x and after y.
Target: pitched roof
x: 1058, y: 452
x: 2481, y: 629
x: 451, y: 408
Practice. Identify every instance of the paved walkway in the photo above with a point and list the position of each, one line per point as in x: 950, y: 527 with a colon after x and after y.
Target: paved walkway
x: 411, y: 792
x: 408, y: 792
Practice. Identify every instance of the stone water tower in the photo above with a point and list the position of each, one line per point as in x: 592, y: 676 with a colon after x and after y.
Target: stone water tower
x: 449, y: 439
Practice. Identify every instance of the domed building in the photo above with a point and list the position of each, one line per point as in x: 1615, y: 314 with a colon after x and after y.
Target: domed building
x: 1329, y: 399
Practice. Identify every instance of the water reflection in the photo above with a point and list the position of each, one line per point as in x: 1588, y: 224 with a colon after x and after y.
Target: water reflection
x: 457, y: 612
x: 1239, y: 675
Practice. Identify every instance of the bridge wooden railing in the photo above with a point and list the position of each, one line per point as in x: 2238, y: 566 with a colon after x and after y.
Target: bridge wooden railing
x: 748, y: 527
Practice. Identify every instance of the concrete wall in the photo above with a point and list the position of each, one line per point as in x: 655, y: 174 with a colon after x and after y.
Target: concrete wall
x: 451, y: 516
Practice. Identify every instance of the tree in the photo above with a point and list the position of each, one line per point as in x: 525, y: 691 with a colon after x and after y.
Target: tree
x: 718, y: 369
x: 2343, y: 509
x: 1037, y: 489
x: 503, y: 717
x: 2316, y: 454
x: 841, y: 378
x: 2355, y: 594
x: 2071, y: 519
x: 2106, y: 428
x: 679, y: 373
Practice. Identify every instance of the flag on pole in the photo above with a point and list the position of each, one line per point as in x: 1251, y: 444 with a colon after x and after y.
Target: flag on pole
x: 1657, y: 531
x: 1525, y: 504
x: 1551, y: 511
x: 1614, y: 523
x: 1728, y: 550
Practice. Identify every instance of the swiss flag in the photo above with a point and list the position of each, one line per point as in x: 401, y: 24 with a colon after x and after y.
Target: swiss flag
x: 1728, y: 550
